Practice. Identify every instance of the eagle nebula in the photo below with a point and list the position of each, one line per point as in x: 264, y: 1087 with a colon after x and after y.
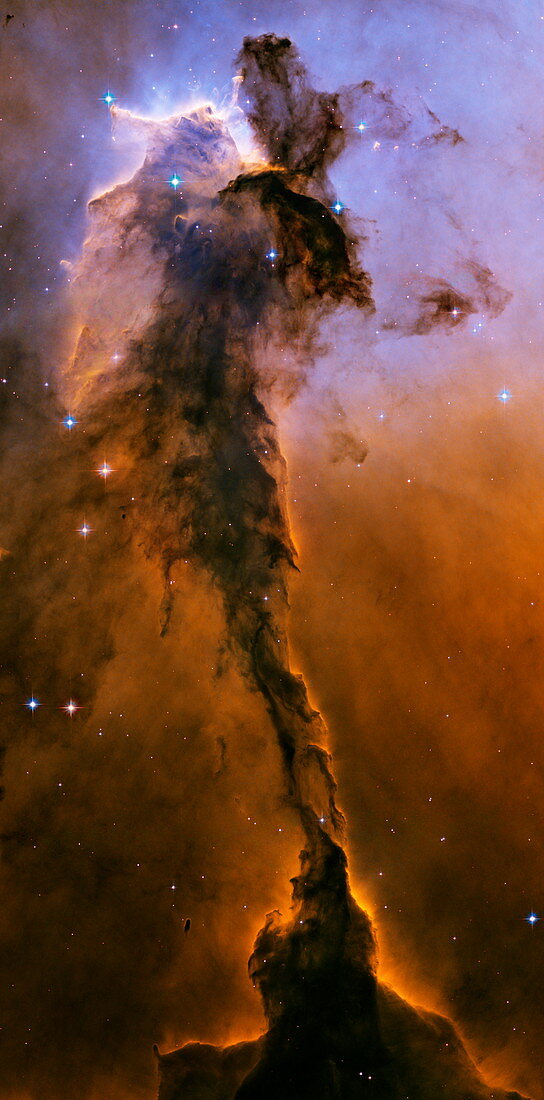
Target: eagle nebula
x: 271, y: 552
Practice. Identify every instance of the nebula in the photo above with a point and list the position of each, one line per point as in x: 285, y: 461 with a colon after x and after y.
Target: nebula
x: 150, y: 511
x: 185, y: 401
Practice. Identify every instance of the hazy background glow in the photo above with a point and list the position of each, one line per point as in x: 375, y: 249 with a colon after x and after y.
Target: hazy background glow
x: 417, y: 617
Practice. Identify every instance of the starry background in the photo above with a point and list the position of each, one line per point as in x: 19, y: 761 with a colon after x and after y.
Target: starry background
x: 417, y: 616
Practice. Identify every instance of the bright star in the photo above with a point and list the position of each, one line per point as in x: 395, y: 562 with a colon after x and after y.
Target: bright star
x: 504, y: 395
x: 532, y: 919
x: 104, y: 470
x: 69, y: 422
x: 108, y: 98
x: 361, y: 127
x: 337, y: 207
x: 71, y: 707
x: 32, y: 704
x: 175, y: 180
x: 84, y: 530
x: 271, y: 255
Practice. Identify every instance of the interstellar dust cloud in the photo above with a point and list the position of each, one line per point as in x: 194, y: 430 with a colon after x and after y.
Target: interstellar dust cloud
x: 212, y: 277
x: 236, y: 250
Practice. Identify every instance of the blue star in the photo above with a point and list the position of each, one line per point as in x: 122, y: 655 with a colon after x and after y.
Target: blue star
x: 108, y: 98
x: 271, y: 255
x: 69, y: 422
x: 504, y: 396
x: 532, y: 919
x: 361, y: 127
x: 32, y: 704
x: 337, y: 206
x: 175, y: 180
